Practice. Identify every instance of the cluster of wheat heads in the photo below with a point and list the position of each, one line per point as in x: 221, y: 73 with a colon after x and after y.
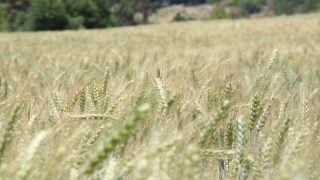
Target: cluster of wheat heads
x: 196, y: 100
x: 183, y: 122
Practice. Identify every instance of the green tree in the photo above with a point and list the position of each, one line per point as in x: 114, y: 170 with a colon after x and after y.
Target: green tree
x: 21, y: 22
x: 48, y: 15
x: 178, y: 18
x: 106, y: 19
x: 86, y: 9
x: 1, y: 17
x: 13, y: 9
x: 250, y: 6
x: 218, y: 12
x: 4, y: 24
x: 124, y: 12
x: 146, y: 7
x: 311, y: 5
x: 213, y: 1
x: 287, y: 6
x: 95, y: 13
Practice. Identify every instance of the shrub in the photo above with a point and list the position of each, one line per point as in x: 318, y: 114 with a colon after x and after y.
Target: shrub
x: 218, y: 12
x: 286, y: 6
x: 75, y: 22
x: 85, y: 8
x: 106, y: 18
x: 4, y: 24
x: 22, y: 22
x: 126, y: 12
x: 48, y: 15
x: 311, y: 6
x: 178, y: 17
x: 250, y: 6
x: 1, y: 16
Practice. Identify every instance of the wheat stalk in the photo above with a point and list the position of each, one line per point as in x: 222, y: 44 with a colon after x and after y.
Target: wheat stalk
x: 109, y: 143
x: 8, y: 130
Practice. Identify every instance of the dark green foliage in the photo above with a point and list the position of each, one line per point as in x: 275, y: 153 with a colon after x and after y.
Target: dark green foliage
x: 311, y: 5
x: 213, y: 1
x: 294, y: 6
x: 21, y: 22
x: 1, y: 16
x: 85, y: 8
x: 178, y: 17
x: 106, y: 19
x: 287, y: 6
x: 48, y: 15
x: 126, y: 12
x: 187, y: 2
x: 13, y: 7
x: 89, y: 10
x: 11, y: 10
x: 250, y: 6
x: 4, y: 24
x: 75, y: 22
x: 92, y: 13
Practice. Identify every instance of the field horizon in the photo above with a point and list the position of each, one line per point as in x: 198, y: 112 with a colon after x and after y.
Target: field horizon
x: 222, y: 99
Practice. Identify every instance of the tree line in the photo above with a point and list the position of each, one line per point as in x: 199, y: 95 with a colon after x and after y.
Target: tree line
x: 35, y: 15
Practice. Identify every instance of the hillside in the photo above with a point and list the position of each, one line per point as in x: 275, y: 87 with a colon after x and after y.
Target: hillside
x: 186, y: 100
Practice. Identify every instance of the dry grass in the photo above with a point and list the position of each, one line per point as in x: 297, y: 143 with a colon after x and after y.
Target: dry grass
x: 196, y: 100
x: 167, y: 14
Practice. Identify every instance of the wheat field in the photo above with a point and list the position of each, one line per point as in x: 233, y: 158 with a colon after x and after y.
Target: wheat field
x: 228, y: 99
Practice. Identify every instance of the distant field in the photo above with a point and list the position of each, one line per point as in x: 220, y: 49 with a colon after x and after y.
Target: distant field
x: 229, y: 99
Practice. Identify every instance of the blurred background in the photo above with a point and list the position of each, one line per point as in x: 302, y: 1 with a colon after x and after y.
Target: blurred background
x: 39, y: 15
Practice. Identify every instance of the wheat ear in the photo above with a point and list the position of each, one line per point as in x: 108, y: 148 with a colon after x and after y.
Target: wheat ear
x: 211, y: 123
x: 108, y: 144
x: 29, y: 154
x: 7, y: 133
x: 105, y: 80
